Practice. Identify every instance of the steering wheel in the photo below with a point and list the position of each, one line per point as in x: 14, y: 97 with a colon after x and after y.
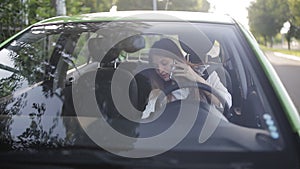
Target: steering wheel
x: 201, y: 86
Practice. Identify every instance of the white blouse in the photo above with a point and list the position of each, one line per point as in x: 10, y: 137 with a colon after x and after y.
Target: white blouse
x: 183, y: 93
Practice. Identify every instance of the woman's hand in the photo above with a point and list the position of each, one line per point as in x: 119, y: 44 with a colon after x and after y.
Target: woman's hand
x: 185, y: 71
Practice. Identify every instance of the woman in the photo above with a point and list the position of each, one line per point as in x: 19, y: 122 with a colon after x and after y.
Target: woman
x: 170, y: 66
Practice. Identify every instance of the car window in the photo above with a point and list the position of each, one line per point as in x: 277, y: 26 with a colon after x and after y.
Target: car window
x: 81, y: 53
x: 25, y: 62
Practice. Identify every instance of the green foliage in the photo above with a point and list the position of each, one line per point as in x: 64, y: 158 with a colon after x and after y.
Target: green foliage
x: 75, y: 7
x: 39, y: 9
x: 100, y: 5
x: 285, y: 51
x: 266, y: 17
x: 134, y: 5
x: 17, y: 14
x: 189, y: 5
x: 185, y: 5
x: 8, y: 85
x: 294, y: 6
x: 11, y: 18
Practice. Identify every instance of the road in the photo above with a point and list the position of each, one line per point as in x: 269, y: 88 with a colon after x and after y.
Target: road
x: 288, y: 69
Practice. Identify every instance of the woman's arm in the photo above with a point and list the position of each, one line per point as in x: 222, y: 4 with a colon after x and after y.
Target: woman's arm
x: 150, y: 107
x: 215, y: 82
x: 186, y: 71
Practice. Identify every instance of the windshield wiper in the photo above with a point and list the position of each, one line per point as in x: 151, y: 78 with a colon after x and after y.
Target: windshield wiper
x: 8, y: 68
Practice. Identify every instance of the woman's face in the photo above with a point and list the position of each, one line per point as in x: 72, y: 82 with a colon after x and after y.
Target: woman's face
x: 163, y: 66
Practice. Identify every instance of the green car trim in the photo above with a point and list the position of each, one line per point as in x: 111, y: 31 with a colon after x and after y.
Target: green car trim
x: 14, y: 36
x: 281, y: 92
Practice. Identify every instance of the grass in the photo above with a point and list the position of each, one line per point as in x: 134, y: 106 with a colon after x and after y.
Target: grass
x: 285, y: 51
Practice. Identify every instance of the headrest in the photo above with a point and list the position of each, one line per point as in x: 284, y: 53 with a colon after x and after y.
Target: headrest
x: 132, y: 44
x: 196, y: 44
x: 100, y: 47
x: 94, y: 46
x: 165, y: 47
x: 192, y: 40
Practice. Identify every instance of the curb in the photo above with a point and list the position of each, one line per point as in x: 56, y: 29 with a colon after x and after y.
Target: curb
x: 286, y: 56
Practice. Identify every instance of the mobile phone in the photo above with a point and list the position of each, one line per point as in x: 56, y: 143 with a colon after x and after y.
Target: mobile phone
x: 172, y: 69
x: 200, y: 69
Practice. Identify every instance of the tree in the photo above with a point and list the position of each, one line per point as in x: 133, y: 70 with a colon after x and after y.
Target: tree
x: 134, y: 5
x: 11, y: 18
x: 294, y: 6
x: 185, y: 5
x: 38, y: 10
x: 76, y: 7
x: 99, y: 5
x: 266, y: 17
x: 17, y: 14
x: 60, y: 8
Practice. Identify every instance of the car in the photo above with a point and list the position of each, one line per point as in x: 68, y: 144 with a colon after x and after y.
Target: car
x: 74, y: 89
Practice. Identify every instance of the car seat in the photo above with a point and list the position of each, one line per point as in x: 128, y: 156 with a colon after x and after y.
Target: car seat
x: 197, y: 51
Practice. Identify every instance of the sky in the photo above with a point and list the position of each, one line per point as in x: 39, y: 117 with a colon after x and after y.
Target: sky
x: 235, y: 8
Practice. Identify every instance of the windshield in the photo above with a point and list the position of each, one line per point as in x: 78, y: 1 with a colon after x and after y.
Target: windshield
x: 89, y: 85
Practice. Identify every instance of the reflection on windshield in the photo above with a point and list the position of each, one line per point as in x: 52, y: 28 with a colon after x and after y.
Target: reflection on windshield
x: 39, y: 73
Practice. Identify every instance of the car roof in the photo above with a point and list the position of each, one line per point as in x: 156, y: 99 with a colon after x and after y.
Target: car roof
x: 179, y: 16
